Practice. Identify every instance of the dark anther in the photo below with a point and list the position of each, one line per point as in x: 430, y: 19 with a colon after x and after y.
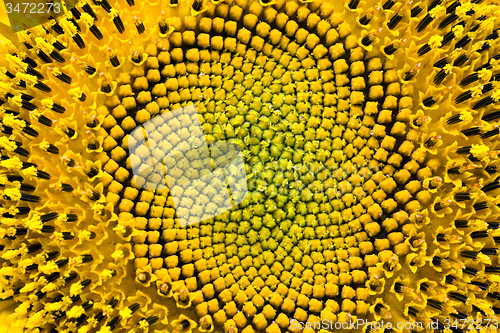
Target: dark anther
x: 66, y: 187
x: 119, y: 24
x: 163, y: 27
x: 28, y: 106
x: 388, y: 4
x: 57, y: 56
x: 64, y: 78
x: 134, y: 307
x: 31, y: 267
x: 105, y: 87
x: 429, y: 101
x: 463, y: 97
x: 448, y: 37
x: 464, y: 150
x: 483, y: 286
x: 70, y: 278
x: 390, y: 49
x: 30, y: 131
x: 48, y: 229
x: 480, y: 205
x: 34, y: 72
x: 21, y: 151
x: 32, y: 63
x: 435, y: 304
x: 455, y: 119
x: 48, y: 217
x: 393, y: 22
x: 90, y: 70
x: 441, y: 237
x: 469, y: 254
x: 87, y: 258
x: 140, y: 27
x: 483, y: 103
x: 492, y: 269
x: 114, y: 61
x: 440, y: 76
x: 494, y: 185
x: 94, y: 196
x: 447, y: 21
x: 105, y: 4
x: 434, y: 4
x: 43, y: 56
x: 471, y: 271
x: 42, y: 174
x: 423, y: 50
x: 438, y: 206
x: 463, y: 42
x: 52, y: 149
x: 71, y: 133
x: 75, y: 13
x: 93, y: 145
x: 21, y: 231
x: 56, y: 27
x: 462, y: 59
x: 113, y: 303
x: 96, y: 32
x: 469, y: 79
x: 416, y: 10
x: 424, y: 23
x: 86, y: 8
x: 430, y: 142
x: 491, y: 116
x: 51, y: 255
x: 44, y: 121
x: 365, y: 20
x: 451, y: 8
x: 197, y: 5
x: 79, y: 41
x: 61, y: 263
x: 479, y: 234
x: 52, y: 277
x: 66, y: 235
x: 30, y: 198
x: 437, y: 261
x: 491, y: 169
x: 114, y: 322
x: 473, y: 131
x: 58, y: 108
x: 42, y: 86
x: 137, y: 57
x: 92, y: 172
x: 353, y: 4
x: 367, y: 40
x: 23, y: 210
x: 412, y: 311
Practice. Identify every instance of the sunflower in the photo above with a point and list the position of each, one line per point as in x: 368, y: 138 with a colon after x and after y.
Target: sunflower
x: 369, y: 135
